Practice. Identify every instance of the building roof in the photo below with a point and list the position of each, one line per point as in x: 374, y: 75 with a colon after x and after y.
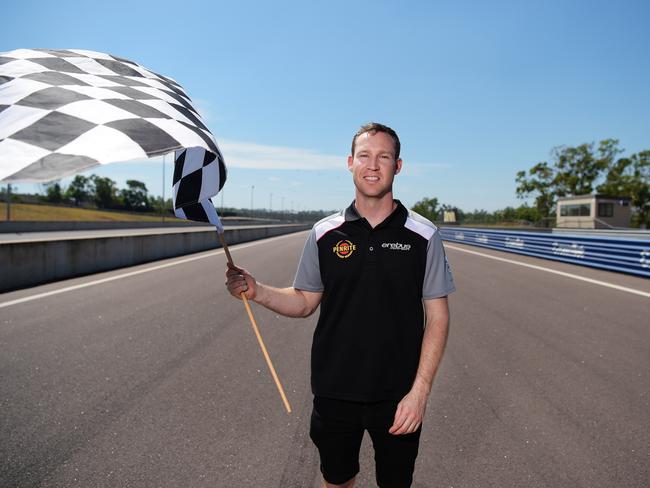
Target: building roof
x: 594, y: 195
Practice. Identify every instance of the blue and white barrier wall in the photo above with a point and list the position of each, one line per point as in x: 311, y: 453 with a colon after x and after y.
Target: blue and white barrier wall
x: 615, y: 254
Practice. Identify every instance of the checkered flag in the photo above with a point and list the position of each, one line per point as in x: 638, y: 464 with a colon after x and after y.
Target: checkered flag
x: 64, y: 111
x: 198, y: 175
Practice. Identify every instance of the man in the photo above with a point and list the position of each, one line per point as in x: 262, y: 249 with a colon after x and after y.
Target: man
x: 380, y: 275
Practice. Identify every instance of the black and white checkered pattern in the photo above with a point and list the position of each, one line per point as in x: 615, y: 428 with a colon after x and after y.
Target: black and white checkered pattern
x: 198, y: 175
x: 63, y: 111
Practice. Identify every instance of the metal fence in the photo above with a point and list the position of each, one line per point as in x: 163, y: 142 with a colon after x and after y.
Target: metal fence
x: 630, y: 256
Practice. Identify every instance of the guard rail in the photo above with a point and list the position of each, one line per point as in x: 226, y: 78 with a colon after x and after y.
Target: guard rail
x: 630, y: 256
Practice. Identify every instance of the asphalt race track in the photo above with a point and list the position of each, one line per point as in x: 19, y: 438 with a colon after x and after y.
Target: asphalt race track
x: 153, y: 378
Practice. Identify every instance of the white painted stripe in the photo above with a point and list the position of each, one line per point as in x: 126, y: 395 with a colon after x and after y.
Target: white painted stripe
x: 554, y: 271
x: 323, y: 228
x: 134, y: 273
x: 419, y: 228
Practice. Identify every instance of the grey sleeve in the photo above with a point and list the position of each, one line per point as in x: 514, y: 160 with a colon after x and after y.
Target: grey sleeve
x: 308, y: 274
x: 438, y: 280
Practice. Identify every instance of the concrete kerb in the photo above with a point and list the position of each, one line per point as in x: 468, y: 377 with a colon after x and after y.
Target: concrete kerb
x: 32, y: 263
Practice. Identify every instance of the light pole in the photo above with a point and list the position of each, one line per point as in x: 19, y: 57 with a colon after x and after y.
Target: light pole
x: 271, y: 203
x: 8, y: 202
x: 252, y: 192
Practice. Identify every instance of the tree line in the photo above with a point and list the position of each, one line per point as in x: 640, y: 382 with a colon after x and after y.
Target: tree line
x: 433, y: 210
x: 102, y: 192
x: 571, y: 171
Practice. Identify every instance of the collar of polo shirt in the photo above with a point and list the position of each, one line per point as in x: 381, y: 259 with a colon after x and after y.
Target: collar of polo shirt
x: 395, y: 219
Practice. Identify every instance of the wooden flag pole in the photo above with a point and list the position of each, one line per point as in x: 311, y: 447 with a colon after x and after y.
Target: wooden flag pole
x: 257, y: 332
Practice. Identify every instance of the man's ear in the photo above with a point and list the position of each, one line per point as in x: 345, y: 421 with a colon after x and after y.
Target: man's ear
x: 350, y: 162
x: 398, y: 166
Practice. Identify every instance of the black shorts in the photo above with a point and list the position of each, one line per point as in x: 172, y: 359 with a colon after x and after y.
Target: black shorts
x: 337, y: 428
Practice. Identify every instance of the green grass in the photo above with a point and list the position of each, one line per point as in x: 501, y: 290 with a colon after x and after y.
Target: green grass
x: 33, y: 212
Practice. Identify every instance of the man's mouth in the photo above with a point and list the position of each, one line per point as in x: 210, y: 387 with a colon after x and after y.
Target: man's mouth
x: 371, y: 178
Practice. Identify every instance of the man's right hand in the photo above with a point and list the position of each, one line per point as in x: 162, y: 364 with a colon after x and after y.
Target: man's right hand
x: 239, y: 280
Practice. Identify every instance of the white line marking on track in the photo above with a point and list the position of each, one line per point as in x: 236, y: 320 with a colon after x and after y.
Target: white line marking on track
x: 554, y: 271
x: 140, y: 271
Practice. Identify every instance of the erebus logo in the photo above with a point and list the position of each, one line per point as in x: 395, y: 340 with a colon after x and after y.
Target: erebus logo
x: 396, y: 246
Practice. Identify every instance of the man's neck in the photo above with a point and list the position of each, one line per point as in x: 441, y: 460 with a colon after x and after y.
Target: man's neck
x: 375, y: 210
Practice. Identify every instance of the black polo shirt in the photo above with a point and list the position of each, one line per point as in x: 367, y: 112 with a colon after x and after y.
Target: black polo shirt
x: 367, y: 342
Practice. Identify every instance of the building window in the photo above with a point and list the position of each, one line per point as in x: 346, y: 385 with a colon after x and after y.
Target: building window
x: 605, y: 209
x: 575, y: 210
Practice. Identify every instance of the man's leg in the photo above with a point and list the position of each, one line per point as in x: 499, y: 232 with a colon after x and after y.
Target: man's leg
x: 394, y: 454
x: 337, y: 433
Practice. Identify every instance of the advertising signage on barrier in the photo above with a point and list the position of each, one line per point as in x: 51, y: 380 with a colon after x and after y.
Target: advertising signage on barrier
x: 615, y: 254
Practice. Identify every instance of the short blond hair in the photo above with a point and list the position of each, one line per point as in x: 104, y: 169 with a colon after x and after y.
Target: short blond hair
x: 374, y: 127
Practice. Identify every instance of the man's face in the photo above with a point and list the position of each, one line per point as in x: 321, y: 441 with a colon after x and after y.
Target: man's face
x: 373, y: 164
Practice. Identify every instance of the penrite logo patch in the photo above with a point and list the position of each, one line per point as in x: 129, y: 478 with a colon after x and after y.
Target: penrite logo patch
x: 344, y: 249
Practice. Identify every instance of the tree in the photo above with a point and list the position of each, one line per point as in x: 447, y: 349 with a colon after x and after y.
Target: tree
x: 135, y: 196
x: 529, y: 214
x: 428, y: 208
x: 573, y: 172
x: 540, y: 180
x: 577, y: 168
x: 53, y: 192
x: 105, y: 192
x: 79, y: 190
x: 166, y: 206
x: 630, y: 177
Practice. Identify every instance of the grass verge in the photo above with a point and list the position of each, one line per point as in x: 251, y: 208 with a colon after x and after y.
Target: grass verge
x: 33, y: 212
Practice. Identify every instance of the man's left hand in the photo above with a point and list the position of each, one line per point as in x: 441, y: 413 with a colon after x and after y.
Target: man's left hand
x: 409, y: 413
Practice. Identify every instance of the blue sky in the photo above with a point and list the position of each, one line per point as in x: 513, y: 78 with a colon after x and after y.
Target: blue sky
x: 476, y: 90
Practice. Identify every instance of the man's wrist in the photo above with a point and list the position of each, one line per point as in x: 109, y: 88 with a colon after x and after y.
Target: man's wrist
x: 422, y: 385
x: 260, y: 293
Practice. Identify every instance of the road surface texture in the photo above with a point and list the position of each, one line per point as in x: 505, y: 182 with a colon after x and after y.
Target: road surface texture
x: 152, y: 377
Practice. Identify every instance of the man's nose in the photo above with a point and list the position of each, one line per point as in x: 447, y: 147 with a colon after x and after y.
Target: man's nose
x: 373, y: 163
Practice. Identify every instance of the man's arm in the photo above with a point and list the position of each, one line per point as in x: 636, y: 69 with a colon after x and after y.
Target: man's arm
x: 410, y: 410
x: 290, y: 301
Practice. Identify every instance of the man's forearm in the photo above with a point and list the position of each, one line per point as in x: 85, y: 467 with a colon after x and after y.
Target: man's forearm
x: 410, y: 410
x: 433, y: 347
x: 285, y: 301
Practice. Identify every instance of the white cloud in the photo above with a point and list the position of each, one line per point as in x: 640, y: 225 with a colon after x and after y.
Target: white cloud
x: 250, y: 155
x: 240, y: 154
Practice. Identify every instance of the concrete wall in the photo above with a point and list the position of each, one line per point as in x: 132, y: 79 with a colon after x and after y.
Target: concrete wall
x: 30, y: 263
x: 64, y: 226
